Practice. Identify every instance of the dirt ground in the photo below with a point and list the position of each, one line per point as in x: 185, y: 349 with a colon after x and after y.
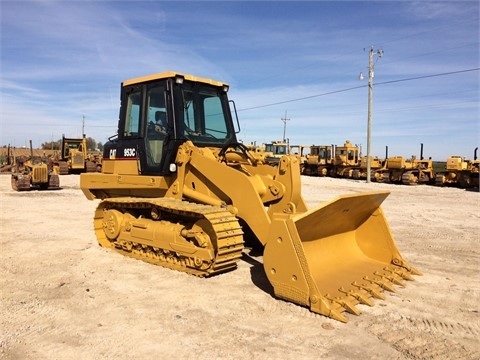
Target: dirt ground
x: 64, y: 297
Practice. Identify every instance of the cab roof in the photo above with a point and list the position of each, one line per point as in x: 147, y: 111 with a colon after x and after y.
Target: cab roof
x: 171, y: 74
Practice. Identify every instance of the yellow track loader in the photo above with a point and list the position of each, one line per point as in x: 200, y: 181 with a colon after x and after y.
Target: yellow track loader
x: 178, y: 190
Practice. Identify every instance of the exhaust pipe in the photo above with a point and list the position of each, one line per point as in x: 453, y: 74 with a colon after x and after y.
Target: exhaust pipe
x: 31, y: 151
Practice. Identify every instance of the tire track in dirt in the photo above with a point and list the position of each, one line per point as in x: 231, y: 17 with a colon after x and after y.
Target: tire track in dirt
x: 472, y: 329
x: 423, y: 338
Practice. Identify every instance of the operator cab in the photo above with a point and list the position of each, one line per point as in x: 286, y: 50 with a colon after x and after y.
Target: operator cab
x: 161, y: 111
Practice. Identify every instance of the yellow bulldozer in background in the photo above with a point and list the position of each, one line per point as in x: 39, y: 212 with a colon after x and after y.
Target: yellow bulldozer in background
x: 460, y: 172
x: 178, y: 190
x: 346, y: 158
x: 275, y: 150
x: 320, y: 160
x: 400, y: 170
x: 34, y: 173
x: 74, y: 157
x: 360, y: 172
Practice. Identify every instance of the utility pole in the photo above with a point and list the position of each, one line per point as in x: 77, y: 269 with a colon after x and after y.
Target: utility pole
x: 284, y: 119
x: 370, y: 100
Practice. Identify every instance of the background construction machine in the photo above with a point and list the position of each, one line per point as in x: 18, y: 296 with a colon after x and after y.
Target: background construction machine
x: 188, y: 198
x: 319, y: 161
x: 301, y: 152
x: 460, y: 172
x: 400, y: 170
x: 7, y: 161
x: 345, y: 160
x: 393, y: 169
x: 74, y: 157
x: 275, y: 150
x: 360, y: 172
x: 421, y: 171
x: 34, y: 173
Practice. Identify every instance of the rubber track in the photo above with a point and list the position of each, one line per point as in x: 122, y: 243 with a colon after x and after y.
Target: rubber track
x: 227, y: 229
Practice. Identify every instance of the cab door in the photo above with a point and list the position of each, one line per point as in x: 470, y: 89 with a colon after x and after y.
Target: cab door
x: 157, y: 127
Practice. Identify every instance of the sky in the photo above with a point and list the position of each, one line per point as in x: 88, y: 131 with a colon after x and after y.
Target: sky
x: 293, y: 68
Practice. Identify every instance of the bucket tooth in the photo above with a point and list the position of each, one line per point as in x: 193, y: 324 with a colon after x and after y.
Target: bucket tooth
x: 360, y: 297
x: 393, y: 278
x: 402, y: 263
x: 337, y: 315
x: 399, y: 272
x: 382, y: 282
x: 348, y: 303
x: 349, y: 307
x: 415, y: 271
x: 403, y: 273
x: 407, y: 276
x: 371, y: 289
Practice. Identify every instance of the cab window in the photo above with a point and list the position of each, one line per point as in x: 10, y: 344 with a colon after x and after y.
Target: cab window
x: 215, y: 123
x: 132, y: 118
x: 203, y: 115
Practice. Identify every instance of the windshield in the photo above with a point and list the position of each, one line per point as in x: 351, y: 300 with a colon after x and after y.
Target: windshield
x: 206, y: 115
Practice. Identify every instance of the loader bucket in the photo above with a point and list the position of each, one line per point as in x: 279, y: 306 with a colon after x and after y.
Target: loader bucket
x: 335, y: 256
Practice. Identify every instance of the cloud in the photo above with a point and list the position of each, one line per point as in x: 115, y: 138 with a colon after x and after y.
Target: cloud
x: 441, y: 9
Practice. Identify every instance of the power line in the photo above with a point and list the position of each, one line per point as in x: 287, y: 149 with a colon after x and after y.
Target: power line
x: 303, y: 98
x: 427, y: 76
x: 442, y: 50
x: 359, y: 87
x: 435, y: 106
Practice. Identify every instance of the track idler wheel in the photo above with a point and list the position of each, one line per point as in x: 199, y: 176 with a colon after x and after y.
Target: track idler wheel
x: 113, y: 221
